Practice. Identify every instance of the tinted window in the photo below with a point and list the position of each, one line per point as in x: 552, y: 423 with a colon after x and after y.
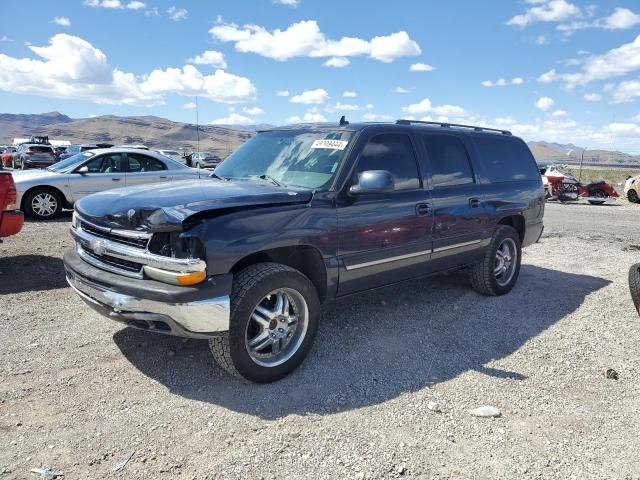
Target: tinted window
x: 110, y: 163
x: 392, y: 152
x: 448, y: 159
x: 506, y: 159
x: 143, y: 163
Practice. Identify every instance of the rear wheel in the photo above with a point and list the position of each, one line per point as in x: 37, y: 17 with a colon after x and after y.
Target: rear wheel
x: 598, y: 194
x: 42, y: 204
x: 274, y: 318
x: 632, y: 196
x: 634, y: 285
x: 497, y: 272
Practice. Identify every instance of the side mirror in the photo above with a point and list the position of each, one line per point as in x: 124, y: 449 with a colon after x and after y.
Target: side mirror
x: 373, y: 181
x: 82, y: 170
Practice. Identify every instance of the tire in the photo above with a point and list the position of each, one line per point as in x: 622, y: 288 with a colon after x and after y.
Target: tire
x: 599, y: 194
x: 632, y: 196
x: 484, y: 278
x: 22, y: 165
x: 48, y: 197
x: 634, y: 285
x: 256, y: 287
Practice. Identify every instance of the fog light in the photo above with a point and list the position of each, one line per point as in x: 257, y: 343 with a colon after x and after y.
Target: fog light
x: 174, y: 278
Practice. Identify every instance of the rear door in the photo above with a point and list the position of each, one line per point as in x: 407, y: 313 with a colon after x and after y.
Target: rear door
x: 457, y: 195
x: 384, y: 238
x: 145, y: 169
x: 104, y: 173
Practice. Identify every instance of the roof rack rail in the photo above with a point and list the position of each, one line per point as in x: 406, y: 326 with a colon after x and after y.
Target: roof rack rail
x: 449, y: 125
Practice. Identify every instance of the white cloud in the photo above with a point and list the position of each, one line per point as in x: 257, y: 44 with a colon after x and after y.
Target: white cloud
x: 282, y: 93
x: 559, y: 113
x: 290, y: 3
x: 233, y: 119
x: 620, y: 19
x: 420, y: 67
x: 614, y: 63
x: 337, y: 62
x: 308, y: 97
x: 4, y: 38
x: 502, y: 82
x: 70, y: 67
x: 372, y: 117
x: 294, y: 119
x: 546, y: 11
x: 545, y: 103
x: 304, y: 39
x: 309, y: 117
x: 176, y: 14
x: 136, y: 5
x: 344, y: 107
x: 540, y: 40
x: 253, y: 111
x: 517, y: 81
x: 190, y: 105
x: 349, y: 93
x: 626, y: 91
x: 114, y: 4
x: 425, y: 106
x: 400, y: 90
x: 62, y: 21
x: 592, y: 97
x: 210, y: 57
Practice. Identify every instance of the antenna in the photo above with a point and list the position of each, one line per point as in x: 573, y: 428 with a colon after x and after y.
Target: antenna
x: 343, y: 121
x: 198, y: 125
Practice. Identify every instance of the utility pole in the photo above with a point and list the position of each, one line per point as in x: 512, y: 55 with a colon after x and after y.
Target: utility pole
x: 581, y: 160
x: 197, y: 123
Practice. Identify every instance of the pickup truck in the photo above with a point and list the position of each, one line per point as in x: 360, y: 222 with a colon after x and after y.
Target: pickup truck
x: 301, y: 216
x: 11, y: 219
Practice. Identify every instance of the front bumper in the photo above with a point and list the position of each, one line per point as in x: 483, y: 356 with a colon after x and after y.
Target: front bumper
x: 201, y: 312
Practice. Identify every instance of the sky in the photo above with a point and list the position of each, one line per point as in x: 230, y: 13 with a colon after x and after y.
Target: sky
x: 555, y: 70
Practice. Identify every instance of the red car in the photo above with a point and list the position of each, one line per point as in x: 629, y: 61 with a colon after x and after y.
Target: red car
x: 7, y: 157
x: 11, y: 219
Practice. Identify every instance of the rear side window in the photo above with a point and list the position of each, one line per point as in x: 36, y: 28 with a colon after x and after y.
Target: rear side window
x: 506, y: 159
x: 392, y: 152
x: 449, y: 161
x: 143, y: 163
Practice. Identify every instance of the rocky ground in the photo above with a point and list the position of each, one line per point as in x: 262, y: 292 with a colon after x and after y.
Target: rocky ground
x: 385, y: 393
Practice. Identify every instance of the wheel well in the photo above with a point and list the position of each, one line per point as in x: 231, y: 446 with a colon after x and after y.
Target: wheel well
x: 43, y: 187
x: 306, y: 259
x: 515, y: 221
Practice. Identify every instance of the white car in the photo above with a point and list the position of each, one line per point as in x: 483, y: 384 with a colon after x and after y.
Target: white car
x: 173, y: 155
x: 42, y: 194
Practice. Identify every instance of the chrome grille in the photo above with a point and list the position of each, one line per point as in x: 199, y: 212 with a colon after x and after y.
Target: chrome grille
x: 134, y: 239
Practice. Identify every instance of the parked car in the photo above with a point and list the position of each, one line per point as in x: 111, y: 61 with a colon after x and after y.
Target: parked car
x: 6, y: 158
x: 75, y: 149
x: 139, y: 147
x: 173, y: 155
x: 632, y: 189
x: 43, y: 194
x: 206, y: 160
x: 11, y: 219
x: 57, y: 151
x: 29, y: 155
x: 298, y: 217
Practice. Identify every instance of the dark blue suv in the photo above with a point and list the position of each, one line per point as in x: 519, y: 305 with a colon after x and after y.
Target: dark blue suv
x: 300, y: 216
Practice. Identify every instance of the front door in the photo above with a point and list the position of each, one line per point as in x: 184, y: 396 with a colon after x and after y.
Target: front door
x: 104, y: 172
x: 384, y: 238
x: 460, y: 216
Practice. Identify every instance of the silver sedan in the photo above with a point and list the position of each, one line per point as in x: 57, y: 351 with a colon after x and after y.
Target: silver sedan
x: 42, y: 194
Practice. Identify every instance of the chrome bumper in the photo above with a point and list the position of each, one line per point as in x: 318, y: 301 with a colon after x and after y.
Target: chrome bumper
x: 200, y: 319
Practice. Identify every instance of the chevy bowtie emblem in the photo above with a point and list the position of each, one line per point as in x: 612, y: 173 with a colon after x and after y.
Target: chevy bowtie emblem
x: 98, y: 246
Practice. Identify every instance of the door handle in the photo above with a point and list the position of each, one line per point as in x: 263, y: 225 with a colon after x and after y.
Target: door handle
x: 115, y: 179
x: 423, y: 209
x: 474, y: 202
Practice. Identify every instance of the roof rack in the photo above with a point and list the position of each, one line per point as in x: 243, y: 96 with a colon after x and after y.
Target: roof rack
x: 455, y: 125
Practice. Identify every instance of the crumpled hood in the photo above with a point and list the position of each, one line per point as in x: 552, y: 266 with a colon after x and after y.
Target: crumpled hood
x: 163, y: 207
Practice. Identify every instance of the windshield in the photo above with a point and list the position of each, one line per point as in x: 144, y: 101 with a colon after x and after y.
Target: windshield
x: 70, y: 163
x: 302, y: 158
x: 170, y: 152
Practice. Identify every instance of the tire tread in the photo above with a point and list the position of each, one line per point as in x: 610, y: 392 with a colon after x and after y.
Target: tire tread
x: 481, y: 274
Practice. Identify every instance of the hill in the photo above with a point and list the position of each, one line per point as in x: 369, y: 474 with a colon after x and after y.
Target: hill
x: 554, y: 152
x: 155, y: 132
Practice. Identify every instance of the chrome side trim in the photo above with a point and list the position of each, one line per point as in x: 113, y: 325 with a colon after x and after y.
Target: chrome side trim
x: 124, y: 252
x: 387, y: 260
x: 457, y: 245
x: 199, y: 319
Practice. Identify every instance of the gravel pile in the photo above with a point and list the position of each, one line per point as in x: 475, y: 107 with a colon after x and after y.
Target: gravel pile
x: 387, y: 391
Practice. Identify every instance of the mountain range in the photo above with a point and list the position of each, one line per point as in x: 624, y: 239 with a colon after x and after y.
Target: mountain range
x: 156, y: 132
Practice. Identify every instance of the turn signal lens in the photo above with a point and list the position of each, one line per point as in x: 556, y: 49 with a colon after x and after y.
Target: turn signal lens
x: 174, y: 278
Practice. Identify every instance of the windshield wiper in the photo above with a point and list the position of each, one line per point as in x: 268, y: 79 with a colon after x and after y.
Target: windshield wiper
x: 264, y: 176
x: 215, y: 175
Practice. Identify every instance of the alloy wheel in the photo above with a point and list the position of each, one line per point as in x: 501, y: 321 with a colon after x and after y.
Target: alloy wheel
x: 505, y: 261
x: 44, y: 204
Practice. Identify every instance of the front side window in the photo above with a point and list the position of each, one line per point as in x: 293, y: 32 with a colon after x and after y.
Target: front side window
x: 109, y: 163
x: 449, y: 161
x: 143, y: 163
x: 302, y: 158
x: 392, y: 152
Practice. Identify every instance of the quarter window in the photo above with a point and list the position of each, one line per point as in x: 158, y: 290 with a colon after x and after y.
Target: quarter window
x: 449, y: 161
x: 392, y: 152
x: 506, y: 159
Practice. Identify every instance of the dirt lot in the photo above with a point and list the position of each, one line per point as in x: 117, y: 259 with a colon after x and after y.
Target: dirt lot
x: 80, y: 393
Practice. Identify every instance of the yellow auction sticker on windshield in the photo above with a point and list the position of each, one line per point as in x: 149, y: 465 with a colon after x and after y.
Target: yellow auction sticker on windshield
x: 331, y: 144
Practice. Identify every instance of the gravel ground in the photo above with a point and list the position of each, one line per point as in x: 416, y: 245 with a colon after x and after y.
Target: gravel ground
x: 81, y: 394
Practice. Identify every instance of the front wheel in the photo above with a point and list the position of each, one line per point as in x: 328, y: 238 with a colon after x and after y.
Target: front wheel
x: 598, y: 194
x: 274, y: 318
x: 42, y: 204
x: 497, y: 272
x: 632, y: 196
